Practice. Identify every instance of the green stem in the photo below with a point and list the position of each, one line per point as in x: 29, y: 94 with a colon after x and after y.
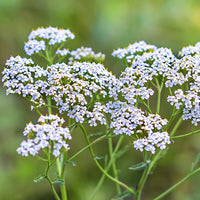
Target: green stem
x: 159, y: 88
x: 110, y: 146
x: 153, y: 84
x: 171, y: 119
x: 146, y: 105
x: 176, y: 126
x: 114, y: 168
x: 113, y: 157
x: 61, y: 169
x: 88, y: 146
x: 49, y: 57
x: 99, y: 166
x: 146, y: 173
x: 52, y: 188
x: 187, y: 134
x: 49, y: 104
x: 170, y: 91
x: 177, y: 184
x: 48, y: 178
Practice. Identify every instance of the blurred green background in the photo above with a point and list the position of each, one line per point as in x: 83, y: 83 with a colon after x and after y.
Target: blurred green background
x: 103, y: 25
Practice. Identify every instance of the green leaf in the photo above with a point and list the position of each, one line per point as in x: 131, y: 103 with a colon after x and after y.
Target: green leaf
x: 95, y: 134
x: 39, y: 178
x: 139, y: 166
x: 99, y: 157
x: 122, y: 195
x: 197, y: 159
x: 71, y: 162
x: 61, y: 182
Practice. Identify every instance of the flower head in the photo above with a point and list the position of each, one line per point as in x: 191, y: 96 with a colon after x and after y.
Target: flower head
x: 42, y: 37
x: 85, y: 54
x: 132, y: 50
x: 153, y: 141
x: 144, y: 66
x: 34, y: 46
x: 74, y: 88
x: 49, y: 134
x: 62, y: 52
x: 129, y: 120
x: 21, y: 77
x: 188, y: 100
x: 190, y: 50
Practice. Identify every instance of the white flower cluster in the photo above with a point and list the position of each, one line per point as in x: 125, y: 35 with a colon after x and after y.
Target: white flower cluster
x: 190, y: 50
x: 155, y: 140
x: 82, y: 89
x: 189, y: 67
x: 76, y: 88
x: 132, y: 49
x: 129, y: 120
x: 21, y: 77
x: 85, y: 54
x: 63, y: 52
x: 144, y: 67
x: 40, y: 38
x: 47, y: 135
x: 34, y: 46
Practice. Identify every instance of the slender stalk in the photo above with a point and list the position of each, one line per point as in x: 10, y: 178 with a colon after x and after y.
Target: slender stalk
x: 159, y: 88
x: 49, y: 104
x: 107, y: 168
x: 48, y: 178
x: 146, y: 173
x: 171, y: 118
x: 37, y: 110
x: 114, y: 168
x: 170, y: 91
x: 86, y: 147
x: 113, y: 164
x: 60, y: 167
x: 61, y: 170
x: 49, y: 57
x: 185, y: 135
x: 176, y: 126
x: 153, y: 84
x: 99, y: 166
x: 146, y: 105
x: 52, y: 188
x: 177, y: 184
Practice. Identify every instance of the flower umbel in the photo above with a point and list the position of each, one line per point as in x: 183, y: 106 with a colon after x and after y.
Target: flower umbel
x: 48, y: 135
x: 22, y: 78
x: 129, y: 120
x: 42, y: 37
x: 74, y: 89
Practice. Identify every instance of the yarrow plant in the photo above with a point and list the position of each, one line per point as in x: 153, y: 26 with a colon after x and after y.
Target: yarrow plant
x: 74, y: 87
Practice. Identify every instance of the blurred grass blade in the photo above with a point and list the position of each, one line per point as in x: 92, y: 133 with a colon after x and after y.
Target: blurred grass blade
x: 139, y: 166
x: 197, y: 159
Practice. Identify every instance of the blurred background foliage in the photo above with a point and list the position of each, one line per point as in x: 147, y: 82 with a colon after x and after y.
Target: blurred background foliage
x: 103, y: 25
